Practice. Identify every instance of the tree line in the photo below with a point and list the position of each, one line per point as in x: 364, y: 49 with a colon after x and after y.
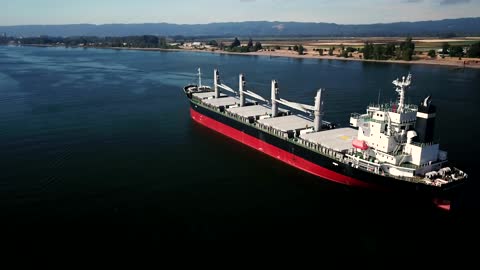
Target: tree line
x: 458, y: 51
x: 403, y: 51
x: 236, y: 46
x: 145, y: 41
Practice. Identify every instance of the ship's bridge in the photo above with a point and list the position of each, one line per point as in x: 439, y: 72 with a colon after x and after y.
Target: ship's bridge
x: 385, y: 113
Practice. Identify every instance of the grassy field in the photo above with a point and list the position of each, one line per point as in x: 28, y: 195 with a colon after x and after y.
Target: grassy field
x: 283, y: 47
x: 422, y: 44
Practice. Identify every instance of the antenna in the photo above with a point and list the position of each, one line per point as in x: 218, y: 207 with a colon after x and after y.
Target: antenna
x: 199, y: 78
x: 401, y: 89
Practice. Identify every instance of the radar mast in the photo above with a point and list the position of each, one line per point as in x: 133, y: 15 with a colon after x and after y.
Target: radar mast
x: 402, y: 86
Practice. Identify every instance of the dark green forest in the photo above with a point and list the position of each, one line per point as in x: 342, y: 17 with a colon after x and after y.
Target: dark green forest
x: 145, y: 41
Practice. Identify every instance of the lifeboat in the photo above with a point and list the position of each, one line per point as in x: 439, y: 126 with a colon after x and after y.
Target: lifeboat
x: 360, y: 144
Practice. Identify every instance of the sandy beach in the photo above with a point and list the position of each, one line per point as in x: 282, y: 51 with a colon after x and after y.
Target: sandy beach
x: 447, y: 61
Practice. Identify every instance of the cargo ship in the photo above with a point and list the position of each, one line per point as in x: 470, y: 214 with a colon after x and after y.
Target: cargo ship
x: 389, y: 147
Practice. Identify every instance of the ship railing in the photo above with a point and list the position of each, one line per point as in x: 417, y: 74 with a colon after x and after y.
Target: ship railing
x: 360, y: 163
x: 363, y: 164
x: 319, y: 148
x: 210, y: 106
x: 392, y: 107
x: 423, y: 144
x: 236, y: 116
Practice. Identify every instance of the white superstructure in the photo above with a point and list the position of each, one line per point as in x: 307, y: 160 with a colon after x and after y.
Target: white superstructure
x: 388, y: 137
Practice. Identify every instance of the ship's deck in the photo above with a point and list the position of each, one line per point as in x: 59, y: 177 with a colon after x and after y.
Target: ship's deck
x: 224, y: 101
x: 339, y: 139
x: 206, y: 95
x: 251, y: 111
x: 287, y: 123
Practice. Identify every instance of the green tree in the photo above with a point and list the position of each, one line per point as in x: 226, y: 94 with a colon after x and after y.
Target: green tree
x: 162, y: 43
x: 301, y: 50
x: 320, y: 52
x: 289, y: 48
x: 456, y: 51
x: 474, y: 50
x: 350, y: 49
x: 250, y: 43
x: 407, y: 48
x: 213, y: 43
x: 258, y: 46
x: 368, y: 51
x: 432, y: 53
x: 295, y: 48
x: 330, y: 51
x: 390, y: 50
x: 445, y: 48
x: 235, y: 43
x: 379, y: 52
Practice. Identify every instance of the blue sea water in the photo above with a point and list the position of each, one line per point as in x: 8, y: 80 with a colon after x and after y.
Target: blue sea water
x: 102, y: 140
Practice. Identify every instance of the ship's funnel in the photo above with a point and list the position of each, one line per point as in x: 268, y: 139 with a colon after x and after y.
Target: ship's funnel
x: 274, y: 98
x: 241, y: 85
x: 425, y: 123
x: 216, y: 81
x: 318, y: 110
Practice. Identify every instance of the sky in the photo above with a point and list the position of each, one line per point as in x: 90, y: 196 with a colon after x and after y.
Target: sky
x: 24, y: 12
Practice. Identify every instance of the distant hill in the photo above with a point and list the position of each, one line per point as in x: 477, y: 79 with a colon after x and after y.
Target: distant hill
x: 460, y: 27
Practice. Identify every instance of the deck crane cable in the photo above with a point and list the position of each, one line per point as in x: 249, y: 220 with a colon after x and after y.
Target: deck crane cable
x: 256, y: 96
x: 225, y: 87
x: 246, y: 92
x: 294, y: 105
x: 297, y: 106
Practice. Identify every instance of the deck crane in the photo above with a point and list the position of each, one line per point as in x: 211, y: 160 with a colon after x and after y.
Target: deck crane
x: 275, y: 100
x: 316, y: 110
x: 242, y: 92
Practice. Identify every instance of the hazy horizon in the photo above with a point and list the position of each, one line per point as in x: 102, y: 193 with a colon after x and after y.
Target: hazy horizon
x: 53, y: 12
x: 99, y: 24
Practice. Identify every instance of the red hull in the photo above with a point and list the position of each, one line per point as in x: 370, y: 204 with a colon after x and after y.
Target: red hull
x: 274, y: 151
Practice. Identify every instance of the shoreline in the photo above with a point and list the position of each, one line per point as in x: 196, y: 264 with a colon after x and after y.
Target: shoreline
x: 473, y: 63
